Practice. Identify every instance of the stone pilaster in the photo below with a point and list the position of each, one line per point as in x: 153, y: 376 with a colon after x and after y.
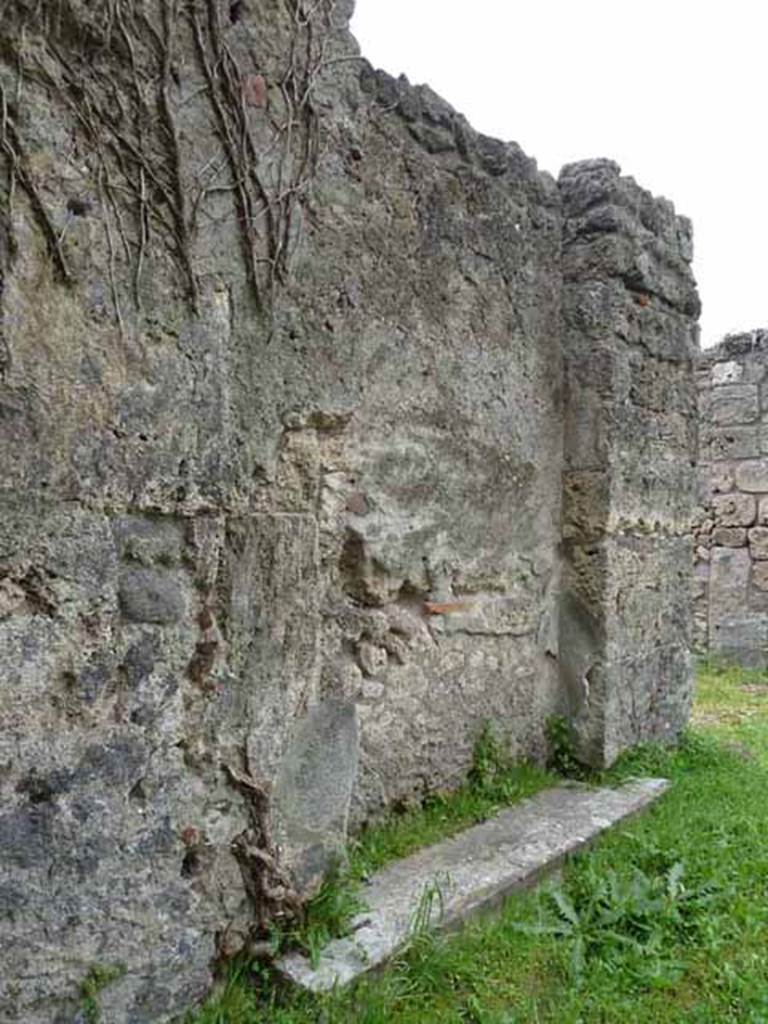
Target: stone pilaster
x: 630, y: 338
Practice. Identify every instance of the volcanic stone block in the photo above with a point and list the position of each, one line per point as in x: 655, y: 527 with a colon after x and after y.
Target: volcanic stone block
x: 729, y: 372
x: 149, y: 541
x: 312, y: 790
x: 273, y: 624
x: 721, y: 477
x: 760, y: 575
x: 730, y: 536
x: 758, y: 542
x: 151, y: 595
x: 735, y: 403
x: 741, y: 638
x: 753, y: 476
x: 734, y: 509
x: 728, y: 582
x: 732, y: 442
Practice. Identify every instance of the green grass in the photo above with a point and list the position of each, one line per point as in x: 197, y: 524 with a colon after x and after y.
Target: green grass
x: 99, y: 976
x: 664, y: 920
x: 494, y: 781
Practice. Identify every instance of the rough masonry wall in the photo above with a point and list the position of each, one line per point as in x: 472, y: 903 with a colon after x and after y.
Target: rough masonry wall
x: 630, y: 339
x: 732, y: 536
x: 224, y: 528
x: 282, y: 413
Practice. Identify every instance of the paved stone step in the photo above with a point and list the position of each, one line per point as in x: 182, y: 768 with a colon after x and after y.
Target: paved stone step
x: 445, y: 884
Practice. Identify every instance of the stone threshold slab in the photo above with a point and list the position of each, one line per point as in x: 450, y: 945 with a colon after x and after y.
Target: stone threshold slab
x: 443, y: 885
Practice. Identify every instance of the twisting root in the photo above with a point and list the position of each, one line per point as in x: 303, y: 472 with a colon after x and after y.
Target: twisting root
x: 268, y: 886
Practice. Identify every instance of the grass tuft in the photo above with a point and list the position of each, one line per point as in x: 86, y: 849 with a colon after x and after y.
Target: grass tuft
x: 664, y: 919
x: 99, y: 976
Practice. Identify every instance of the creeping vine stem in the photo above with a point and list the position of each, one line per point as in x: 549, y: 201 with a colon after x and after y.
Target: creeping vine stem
x: 118, y: 70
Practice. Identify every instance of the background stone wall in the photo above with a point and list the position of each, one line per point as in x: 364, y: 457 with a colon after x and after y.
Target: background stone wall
x: 732, y: 539
x: 288, y: 356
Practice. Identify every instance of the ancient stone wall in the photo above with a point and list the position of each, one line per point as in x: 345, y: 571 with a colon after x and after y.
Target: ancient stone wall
x: 630, y: 452
x: 731, y: 582
x: 288, y: 358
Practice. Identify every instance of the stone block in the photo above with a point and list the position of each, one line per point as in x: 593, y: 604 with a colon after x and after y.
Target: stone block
x: 149, y: 541
x: 734, y: 404
x: 728, y: 582
x: 270, y: 571
x: 760, y: 575
x: 732, y: 442
x: 758, y: 601
x: 734, y: 509
x: 741, y: 638
x: 372, y: 658
x: 586, y: 496
x: 762, y: 512
x: 726, y: 373
x: 722, y: 476
x: 730, y: 536
x: 752, y: 476
x: 758, y: 542
x: 312, y: 792
x: 151, y: 595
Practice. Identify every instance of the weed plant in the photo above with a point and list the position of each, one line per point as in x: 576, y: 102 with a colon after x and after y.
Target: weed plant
x: 664, y: 920
x: 494, y: 781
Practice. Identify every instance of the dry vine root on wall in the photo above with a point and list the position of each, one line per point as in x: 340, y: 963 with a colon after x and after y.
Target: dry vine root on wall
x: 124, y: 69
x: 18, y: 172
x: 269, y: 888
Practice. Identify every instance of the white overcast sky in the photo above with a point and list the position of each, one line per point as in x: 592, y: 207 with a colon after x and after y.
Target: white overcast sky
x: 674, y: 91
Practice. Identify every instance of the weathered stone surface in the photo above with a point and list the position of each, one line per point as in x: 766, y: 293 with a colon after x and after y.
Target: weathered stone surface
x: 469, y: 873
x: 630, y: 447
x: 734, y: 403
x: 733, y: 464
x: 734, y: 509
x: 741, y: 638
x: 148, y: 595
x: 752, y: 476
x: 729, y: 576
x: 722, y: 477
x: 312, y: 791
x: 730, y: 536
x: 758, y: 542
x: 734, y: 630
x: 760, y: 576
x: 730, y: 372
x: 287, y: 461
x: 732, y: 442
